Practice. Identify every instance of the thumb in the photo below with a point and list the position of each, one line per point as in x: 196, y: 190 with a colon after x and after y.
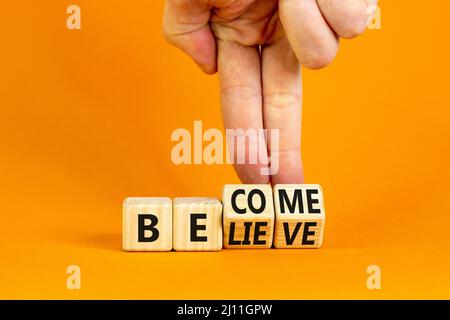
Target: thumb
x: 186, y: 26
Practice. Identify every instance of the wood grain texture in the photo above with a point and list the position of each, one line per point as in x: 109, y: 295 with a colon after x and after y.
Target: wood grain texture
x: 197, y: 224
x: 299, y: 216
x: 239, y: 227
x: 161, y: 208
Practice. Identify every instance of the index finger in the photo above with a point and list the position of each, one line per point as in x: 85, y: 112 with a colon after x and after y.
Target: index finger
x: 240, y: 81
x: 282, y: 101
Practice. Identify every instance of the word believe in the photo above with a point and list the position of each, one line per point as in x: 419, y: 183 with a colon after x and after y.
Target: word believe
x: 251, y: 216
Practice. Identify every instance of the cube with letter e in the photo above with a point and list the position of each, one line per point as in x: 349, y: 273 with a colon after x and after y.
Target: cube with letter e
x: 197, y: 224
x: 248, y: 216
x: 299, y: 216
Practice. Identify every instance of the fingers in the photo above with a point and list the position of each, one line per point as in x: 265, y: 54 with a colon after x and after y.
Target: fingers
x: 348, y: 18
x: 186, y: 25
x: 315, y: 44
x: 240, y: 82
x: 282, y: 99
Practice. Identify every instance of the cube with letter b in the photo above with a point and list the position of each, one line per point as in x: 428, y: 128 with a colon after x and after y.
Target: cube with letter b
x: 248, y: 216
x: 299, y: 216
x: 197, y: 224
x: 147, y: 224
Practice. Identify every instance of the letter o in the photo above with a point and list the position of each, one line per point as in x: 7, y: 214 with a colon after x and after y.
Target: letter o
x: 250, y: 201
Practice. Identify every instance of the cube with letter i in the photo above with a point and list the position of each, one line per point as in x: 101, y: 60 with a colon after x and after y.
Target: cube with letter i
x: 248, y: 216
x: 197, y: 224
x: 147, y: 224
x: 299, y: 216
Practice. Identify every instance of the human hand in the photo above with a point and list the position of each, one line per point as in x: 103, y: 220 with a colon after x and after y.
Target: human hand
x: 257, y: 46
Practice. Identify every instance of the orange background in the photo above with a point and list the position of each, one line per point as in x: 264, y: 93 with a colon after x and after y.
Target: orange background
x: 86, y: 118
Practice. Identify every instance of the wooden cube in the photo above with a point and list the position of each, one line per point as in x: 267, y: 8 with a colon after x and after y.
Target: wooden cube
x: 147, y: 224
x: 197, y: 224
x: 248, y: 216
x: 299, y: 216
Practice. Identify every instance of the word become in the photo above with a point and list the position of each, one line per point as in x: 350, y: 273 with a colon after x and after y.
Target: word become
x: 251, y: 216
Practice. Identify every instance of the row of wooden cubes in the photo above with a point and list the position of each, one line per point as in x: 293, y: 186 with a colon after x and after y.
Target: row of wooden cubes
x: 251, y: 216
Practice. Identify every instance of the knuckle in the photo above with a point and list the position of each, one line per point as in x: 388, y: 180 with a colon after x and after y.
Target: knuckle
x: 234, y: 92
x: 320, y: 59
x: 353, y: 23
x: 279, y: 100
x: 352, y: 29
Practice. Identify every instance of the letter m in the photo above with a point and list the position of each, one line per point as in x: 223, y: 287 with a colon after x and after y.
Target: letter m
x: 296, y: 201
